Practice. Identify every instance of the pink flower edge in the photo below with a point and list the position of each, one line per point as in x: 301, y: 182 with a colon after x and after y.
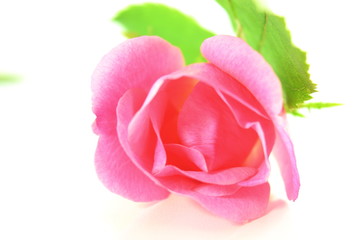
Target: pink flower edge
x: 127, y: 80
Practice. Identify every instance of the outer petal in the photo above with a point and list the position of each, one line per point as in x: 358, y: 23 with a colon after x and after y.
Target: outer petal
x: 115, y: 168
x: 245, y: 205
x: 121, y: 176
x: 284, y: 153
x: 238, y: 59
x: 136, y: 63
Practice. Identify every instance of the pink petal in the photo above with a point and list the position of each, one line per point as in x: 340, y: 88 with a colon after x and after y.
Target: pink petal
x: 154, y: 123
x: 221, y: 177
x: 238, y: 59
x: 186, y: 185
x: 246, y: 204
x: 136, y: 63
x: 121, y: 176
x: 284, y: 153
x: 223, y: 83
x: 114, y: 167
x: 245, y: 117
x: 242, y: 205
x: 139, y: 138
x: 185, y: 158
x: 207, y: 124
x: 163, y: 110
x: 135, y: 132
x: 216, y: 190
x: 257, y: 157
x: 260, y: 152
x: 182, y: 184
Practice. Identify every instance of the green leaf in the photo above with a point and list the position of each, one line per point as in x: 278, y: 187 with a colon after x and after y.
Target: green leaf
x: 319, y: 105
x: 313, y: 105
x: 267, y: 33
x: 8, y: 78
x: 296, y: 113
x: 168, y: 23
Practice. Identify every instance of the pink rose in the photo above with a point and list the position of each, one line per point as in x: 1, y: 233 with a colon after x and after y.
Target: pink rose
x: 205, y: 130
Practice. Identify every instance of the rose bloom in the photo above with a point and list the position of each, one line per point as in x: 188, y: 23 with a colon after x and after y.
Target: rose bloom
x: 204, y: 131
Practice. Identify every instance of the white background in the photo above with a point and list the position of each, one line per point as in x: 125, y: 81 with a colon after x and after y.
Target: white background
x: 48, y: 186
